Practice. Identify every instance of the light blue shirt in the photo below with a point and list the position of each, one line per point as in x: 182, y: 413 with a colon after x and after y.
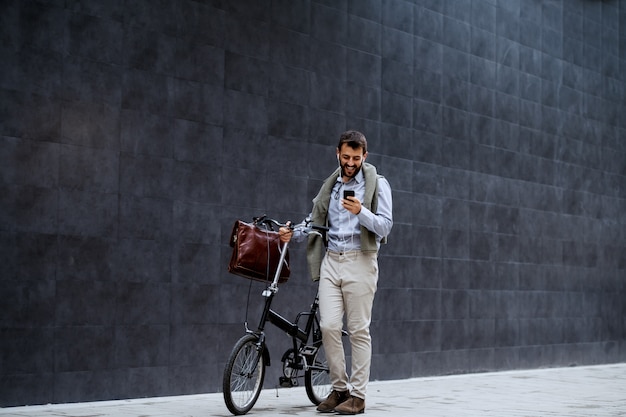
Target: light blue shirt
x: 345, y: 233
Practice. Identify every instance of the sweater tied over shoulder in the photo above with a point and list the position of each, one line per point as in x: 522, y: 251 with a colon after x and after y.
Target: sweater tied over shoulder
x: 319, y: 215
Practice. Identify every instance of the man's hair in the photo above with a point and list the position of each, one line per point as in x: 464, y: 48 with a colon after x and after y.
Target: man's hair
x: 353, y: 139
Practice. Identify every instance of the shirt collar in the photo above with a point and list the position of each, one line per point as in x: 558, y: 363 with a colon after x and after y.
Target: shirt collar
x: 359, y: 177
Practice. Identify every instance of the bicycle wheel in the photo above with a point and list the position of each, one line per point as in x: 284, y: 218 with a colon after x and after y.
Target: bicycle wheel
x: 243, y: 375
x: 317, y: 378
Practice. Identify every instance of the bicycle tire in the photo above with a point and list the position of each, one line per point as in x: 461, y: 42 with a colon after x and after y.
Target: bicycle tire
x: 242, y: 385
x: 317, y: 378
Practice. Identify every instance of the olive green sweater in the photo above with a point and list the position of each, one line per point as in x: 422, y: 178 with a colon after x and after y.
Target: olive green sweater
x: 319, y: 215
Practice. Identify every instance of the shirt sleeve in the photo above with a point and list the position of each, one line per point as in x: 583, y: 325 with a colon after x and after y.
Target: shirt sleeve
x: 298, y: 236
x: 380, y: 222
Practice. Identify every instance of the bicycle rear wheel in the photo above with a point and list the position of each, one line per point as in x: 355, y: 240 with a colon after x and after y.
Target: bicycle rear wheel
x: 243, y: 375
x: 317, y: 378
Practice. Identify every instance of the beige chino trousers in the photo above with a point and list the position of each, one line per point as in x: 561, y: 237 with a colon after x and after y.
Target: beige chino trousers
x: 347, y: 286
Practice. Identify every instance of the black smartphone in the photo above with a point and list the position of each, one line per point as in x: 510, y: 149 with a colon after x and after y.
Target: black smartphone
x: 348, y: 193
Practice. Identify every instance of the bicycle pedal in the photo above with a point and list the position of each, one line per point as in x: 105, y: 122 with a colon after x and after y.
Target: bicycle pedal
x: 285, y: 382
x: 308, y: 350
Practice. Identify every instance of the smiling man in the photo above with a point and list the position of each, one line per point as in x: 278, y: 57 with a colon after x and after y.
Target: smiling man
x: 355, y: 203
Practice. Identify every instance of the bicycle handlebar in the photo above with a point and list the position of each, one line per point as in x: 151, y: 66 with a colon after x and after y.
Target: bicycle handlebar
x: 305, y: 227
x: 306, y: 224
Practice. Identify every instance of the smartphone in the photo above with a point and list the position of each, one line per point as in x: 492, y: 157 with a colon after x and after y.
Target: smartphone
x: 348, y: 193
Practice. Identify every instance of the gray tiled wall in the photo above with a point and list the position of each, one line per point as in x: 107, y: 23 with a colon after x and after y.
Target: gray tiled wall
x: 133, y: 134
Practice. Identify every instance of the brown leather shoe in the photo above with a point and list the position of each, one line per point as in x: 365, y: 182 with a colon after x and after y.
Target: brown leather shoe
x: 354, y: 405
x: 334, y: 399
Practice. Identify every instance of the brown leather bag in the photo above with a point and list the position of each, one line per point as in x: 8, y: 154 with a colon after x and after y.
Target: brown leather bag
x: 256, y: 253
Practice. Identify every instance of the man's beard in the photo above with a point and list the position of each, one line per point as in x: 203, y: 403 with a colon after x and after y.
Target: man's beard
x: 344, y: 174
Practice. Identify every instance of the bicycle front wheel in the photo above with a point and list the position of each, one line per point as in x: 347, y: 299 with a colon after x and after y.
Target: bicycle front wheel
x: 243, y: 375
x: 317, y: 378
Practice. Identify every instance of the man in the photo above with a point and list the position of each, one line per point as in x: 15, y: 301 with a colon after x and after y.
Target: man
x: 346, y: 266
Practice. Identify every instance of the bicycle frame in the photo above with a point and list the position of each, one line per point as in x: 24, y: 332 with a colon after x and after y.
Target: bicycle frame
x: 292, y: 329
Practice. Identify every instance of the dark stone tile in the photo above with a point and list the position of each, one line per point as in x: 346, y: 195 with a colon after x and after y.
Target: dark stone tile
x: 150, y: 51
x: 428, y: 24
x: 199, y: 142
x: 89, y: 169
x: 26, y: 162
x: 368, y: 9
x: 199, y: 62
x: 143, y: 382
x: 329, y: 24
x: 395, y: 303
x: 142, y: 346
x: 365, y: 35
x: 85, y: 213
x: 286, y: 120
x: 290, y: 48
x: 397, y: 45
x: 398, y: 15
x: 194, y: 379
x: 398, y: 77
x: 369, y: 106
x: 29, y: 388
x: 92, y: 82
x: 427, y: 116
x: 145, y: 91
x: 458, y: 9
x: 142, y: 303
x: 427, y: 242
x: 427, y: 304
x: 27, y: 350
x: 483, y: 44
x: 396, y: 109
x: 293, y: 15
x: 247, y: 36
x: 86, y: 258
x: 191, y: 303
x: 246, y: 74
x: 455, y: 65
x: 454, y: 304
x: 30, y: 116
x: 197, y: 101
x: 84, y: 348
x: 80, y: 386
x: 483, y: 15
x: 456, y: 124
x: 428, y: 363
x: 290, y: 85
x: 29, y: 209
x: 95, y: 38
x: 103, y: 131
x: 455, y: 274
x: 84, y: 303
x: 508, y: 24
x: 428, y: 55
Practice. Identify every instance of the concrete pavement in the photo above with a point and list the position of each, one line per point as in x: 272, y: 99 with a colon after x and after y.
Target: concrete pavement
x: 577, y: 391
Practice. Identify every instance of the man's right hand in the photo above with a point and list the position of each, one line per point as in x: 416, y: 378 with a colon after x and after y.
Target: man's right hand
x: 285, y: 233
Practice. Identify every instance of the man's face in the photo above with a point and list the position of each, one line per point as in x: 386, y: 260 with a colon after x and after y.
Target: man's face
x: 350, y: 161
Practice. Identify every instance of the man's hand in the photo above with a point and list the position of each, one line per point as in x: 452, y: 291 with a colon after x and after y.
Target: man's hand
x: 352, y: 204
x: 285, y: 233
